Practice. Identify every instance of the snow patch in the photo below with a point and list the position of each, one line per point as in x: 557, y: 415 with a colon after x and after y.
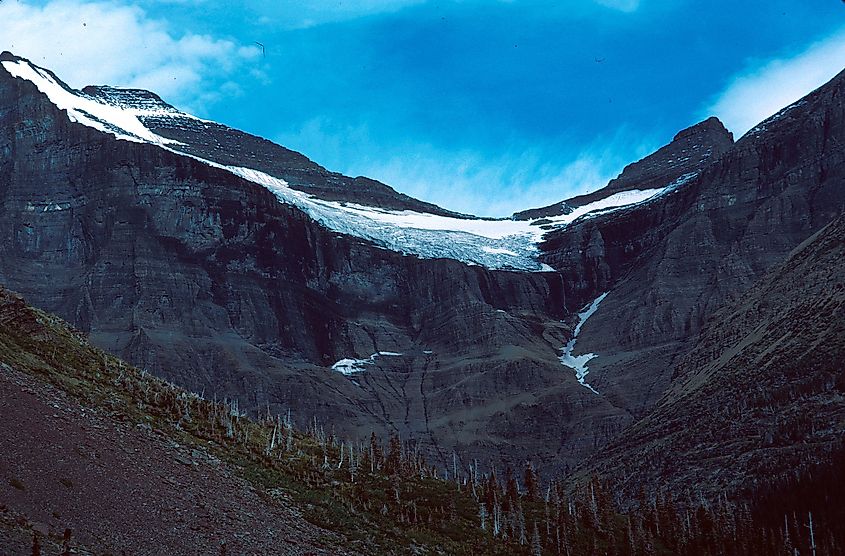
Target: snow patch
x: 353, y: 366
x: 613, y: 202
x: 492, y: 243
x: 578, y: 363
x: 121, y: 122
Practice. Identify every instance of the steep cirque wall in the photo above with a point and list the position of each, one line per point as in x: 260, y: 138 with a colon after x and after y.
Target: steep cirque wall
x: 207, y: 279
x: 760, y: 397
x: 673, y: 261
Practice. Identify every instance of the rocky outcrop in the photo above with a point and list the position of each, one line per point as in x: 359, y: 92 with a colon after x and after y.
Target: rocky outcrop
x: 690, y: 150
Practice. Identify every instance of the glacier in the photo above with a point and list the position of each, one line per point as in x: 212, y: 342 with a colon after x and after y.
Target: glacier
x: 495, y: 243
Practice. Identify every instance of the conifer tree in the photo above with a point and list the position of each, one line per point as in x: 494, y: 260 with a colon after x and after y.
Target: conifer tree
x: 536, y: 545
x: 375, y: 453
x: 66, y: 543
x: 393, y: 462
x: 531, y: 486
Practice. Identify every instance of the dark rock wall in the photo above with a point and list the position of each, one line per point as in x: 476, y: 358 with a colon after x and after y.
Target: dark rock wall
x: 672, y: 262
x: 760, y: 397
x: 207, y: 280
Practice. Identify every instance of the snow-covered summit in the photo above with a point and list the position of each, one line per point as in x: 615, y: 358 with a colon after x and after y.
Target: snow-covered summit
x: 133, y: 115
x: 122, y: 122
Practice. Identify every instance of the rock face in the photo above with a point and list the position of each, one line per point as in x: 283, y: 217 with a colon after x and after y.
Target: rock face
x: 669, y: 263
x: 761, y: 393
x: 207, y: 279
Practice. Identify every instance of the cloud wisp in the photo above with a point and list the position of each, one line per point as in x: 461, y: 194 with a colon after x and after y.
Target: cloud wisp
x: 514, y: 178
x: 109, y: 43
x: 765, y: 88
x: 621, y: 5
x: 471, y: 183
x: 302, y: 14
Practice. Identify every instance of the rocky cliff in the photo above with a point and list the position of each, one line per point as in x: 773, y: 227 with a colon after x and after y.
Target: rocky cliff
x: 760, y: 396
x: 670, y: 262
x: 205, y: 278
x: 154, y: 239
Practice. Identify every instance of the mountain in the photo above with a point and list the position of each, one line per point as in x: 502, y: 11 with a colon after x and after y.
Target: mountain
x: 669, y: 263
x: 224, y: 145
x: 79, y: 457
x: 103, y: 458
x: 760, y: 397
x: 689, y: 151
x: 198, y: 274
x: 106, y: 459
x: 238, y: 268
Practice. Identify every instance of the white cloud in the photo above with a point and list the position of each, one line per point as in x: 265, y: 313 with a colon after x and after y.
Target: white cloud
x: 308, y: 13
x: 498, y: 186
x: 764, y: 88
x: 109, y: 43
x: 467, y: 180
x: 621, y: 5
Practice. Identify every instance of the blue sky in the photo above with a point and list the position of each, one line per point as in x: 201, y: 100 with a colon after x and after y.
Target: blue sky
x: 480, y: 106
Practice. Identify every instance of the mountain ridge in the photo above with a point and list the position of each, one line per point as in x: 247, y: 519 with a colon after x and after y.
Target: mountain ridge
x: 215, y: 278
x: 760, y: 394
x: 683, y: 156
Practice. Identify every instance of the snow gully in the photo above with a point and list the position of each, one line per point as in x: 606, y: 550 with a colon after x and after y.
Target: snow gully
x: 578, y: 363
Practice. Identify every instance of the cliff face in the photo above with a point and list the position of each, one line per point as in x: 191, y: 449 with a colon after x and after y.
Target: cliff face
x: 200, y: 276
x: 669, y: 263
x: 208, y: 280
x: 761, y: 395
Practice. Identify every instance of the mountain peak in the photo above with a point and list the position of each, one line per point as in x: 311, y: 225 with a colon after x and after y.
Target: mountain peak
x: 712, y: 128
x: 690, y: 150
x: 687, y: 153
